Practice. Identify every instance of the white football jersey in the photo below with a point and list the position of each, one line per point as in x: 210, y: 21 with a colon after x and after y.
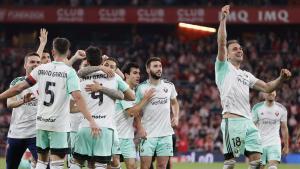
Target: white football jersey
x: 156, y: 118
x: 123, y: 121
x: 100, y: 105
x: 234, y: 85
x: 23, y: 119
x: 56, y: 81
x: 268, y: 120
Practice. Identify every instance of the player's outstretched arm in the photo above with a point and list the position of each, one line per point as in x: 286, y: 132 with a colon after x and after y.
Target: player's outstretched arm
x: 80, y: 102
x: 112, y: 93
x: 43, y: 41
x: 285, y: 136
x: 222, y: 35
x: 13, y: 102
x: 273, y: 85
x: 91, y: 69
x: 175, y: 112
x: 15, y: 90
x: 136, y: 109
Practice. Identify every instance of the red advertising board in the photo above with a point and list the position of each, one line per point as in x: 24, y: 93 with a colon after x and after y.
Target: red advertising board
x: 132, y: 15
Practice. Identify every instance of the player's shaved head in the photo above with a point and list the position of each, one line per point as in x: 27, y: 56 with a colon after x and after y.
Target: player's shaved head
x: 93, y: 55
x: 61, y: 45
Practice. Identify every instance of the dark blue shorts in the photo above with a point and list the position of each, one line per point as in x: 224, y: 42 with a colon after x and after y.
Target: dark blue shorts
x: 16, y: 148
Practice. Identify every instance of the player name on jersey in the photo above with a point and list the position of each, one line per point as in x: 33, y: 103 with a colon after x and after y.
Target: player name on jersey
x: 52, y: 74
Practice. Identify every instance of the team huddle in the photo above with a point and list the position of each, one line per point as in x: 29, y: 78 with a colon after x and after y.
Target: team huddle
x: 94, y: 116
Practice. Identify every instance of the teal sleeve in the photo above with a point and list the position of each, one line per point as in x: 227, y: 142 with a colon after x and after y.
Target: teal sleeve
x: 221, y: 69
x: 122, y: 85
x: 138, y: 95
x: 255, y: 114
x: 127, y: 104
x: 73, y: 83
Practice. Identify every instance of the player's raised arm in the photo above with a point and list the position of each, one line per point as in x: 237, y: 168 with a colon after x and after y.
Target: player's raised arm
x: 222, y: 35
x: 273, y: 85
x: 43, y: 41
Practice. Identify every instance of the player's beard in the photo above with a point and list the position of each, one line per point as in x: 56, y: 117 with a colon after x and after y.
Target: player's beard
x: 154, y: 76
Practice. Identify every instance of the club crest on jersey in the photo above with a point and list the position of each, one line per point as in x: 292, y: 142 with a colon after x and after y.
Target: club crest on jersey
x: 165, y: 90
x: 277, y: 114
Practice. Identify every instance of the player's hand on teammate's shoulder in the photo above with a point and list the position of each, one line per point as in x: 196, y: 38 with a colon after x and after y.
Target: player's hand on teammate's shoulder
x: 225, y: 11
x: 28, y: 97
x: 110, y: 73
x: 43, y: 36
x: 149, y: 94
x: 95, y: 87
x: 285, y: 74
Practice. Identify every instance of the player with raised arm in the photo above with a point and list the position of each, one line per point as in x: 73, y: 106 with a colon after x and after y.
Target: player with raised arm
x: 156, y: 116
x: 269, y: 116
x: 22, y: 130
x: 55, y: 82
x: 240, y: 135
x: 97, y: 149
x: 45, y: 56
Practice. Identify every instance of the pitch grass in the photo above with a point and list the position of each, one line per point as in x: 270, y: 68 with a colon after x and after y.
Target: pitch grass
x: 196, y: 165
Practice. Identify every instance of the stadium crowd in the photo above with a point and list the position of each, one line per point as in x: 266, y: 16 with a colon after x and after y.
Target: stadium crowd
x: 147, y: 2
x: 191, y: 67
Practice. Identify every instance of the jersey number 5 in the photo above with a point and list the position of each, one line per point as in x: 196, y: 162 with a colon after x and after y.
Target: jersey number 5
x: 50, y: 92
x: 98, y: 95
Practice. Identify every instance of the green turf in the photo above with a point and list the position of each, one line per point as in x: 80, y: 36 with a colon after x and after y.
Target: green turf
x: 196, y: 166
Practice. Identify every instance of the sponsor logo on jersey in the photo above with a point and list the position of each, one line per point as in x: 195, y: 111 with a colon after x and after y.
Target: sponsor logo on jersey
x: 157, y: 100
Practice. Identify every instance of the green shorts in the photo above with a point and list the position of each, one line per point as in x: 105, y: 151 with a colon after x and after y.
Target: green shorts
x: 240, y: 136
x: 163, y: 146
x: 127, y: 148
x: 116, y: 145
x: 99, y: 148
x: 271, y: 153
x: 56, y: 142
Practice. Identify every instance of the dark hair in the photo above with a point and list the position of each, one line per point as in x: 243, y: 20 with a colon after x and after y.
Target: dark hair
x: 29, y: 55
x: 127, y: 67
x: 114, y: 60
x: 232, y: 42
x: 61, y: 45
x: 93, y: 55
x: 152, y: 59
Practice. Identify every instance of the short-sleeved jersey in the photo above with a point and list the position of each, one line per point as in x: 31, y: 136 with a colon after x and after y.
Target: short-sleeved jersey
x: 100, y: 105
x: 156, y: 117
x: 123, y: 121
x: 23, y: 119
x: 268, y: 120
x: 56, y: 81
x: 233, y: 85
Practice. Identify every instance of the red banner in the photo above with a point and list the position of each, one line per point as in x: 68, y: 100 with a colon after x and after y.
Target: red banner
x: 131, y: 15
